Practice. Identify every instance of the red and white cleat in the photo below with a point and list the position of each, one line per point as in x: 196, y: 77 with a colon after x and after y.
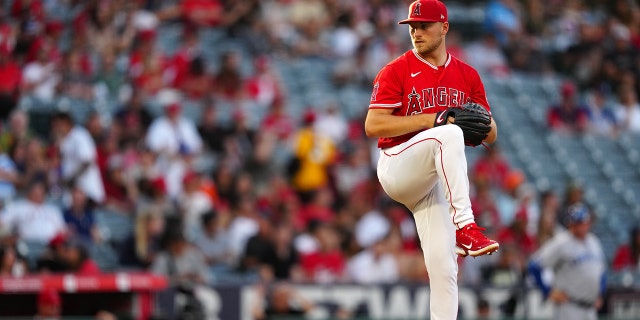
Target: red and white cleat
x: 470, y: 241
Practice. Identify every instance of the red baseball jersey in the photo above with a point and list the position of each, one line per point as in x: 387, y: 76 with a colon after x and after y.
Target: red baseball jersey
x: 411, y: 85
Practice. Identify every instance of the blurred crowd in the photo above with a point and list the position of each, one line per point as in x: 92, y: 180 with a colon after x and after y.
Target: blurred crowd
x: 244, y: 191
x: 594, y: 44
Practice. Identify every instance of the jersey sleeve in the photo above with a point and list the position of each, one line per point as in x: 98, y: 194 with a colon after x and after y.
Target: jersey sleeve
x: 549, y: 255
x: 478, y: 92
x: 387, y: 90
x: 86, y: 148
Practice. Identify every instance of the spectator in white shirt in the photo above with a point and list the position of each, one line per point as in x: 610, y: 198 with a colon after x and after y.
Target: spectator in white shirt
x: 370, y: 227
x: 78, y: 157
x: 332, y: 124
x: 8, y: 177
x: 188, y: 273
x: 173, y: 134
x: 628, y: 109
x: 243, y: 226
x: 32, y: 218
x: 193, y: 203
x: 213, y: 241
x: 41, y: 77
x: 603, y: 118
x: 375, y: 264
x: 174, y: 139
x: 487, y: 57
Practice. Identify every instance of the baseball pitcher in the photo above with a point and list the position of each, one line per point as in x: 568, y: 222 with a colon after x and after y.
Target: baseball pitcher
x: 426, y: 105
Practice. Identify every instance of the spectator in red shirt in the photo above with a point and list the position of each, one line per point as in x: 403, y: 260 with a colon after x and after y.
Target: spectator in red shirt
x: 327, y: 264
x: 79, y: 261
x: 10, y: 79
x: 196, y: 83
x: 492, y: 167
x: 627, y: 255
x: 319, y: 208
x: 277, y: 198
x: 29, y: 17
x: 31, y: 8
x: 516, y: 235
x: 229, y: 83
x: 207, y: 13
x: 116, y: 184
x: 455, y: 45
x: 118, y: 187
x: 51, y: 260
x: 50, y: 37
x: 188, y: 51
x: 65, y: 254
x: 147, y: 67
x: 277, y: 121
x: 568, y: 116
x: 484, y: 206
x: 264, y: 86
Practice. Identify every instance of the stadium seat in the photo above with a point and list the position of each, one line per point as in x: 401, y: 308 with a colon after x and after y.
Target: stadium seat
x: 115, y: 226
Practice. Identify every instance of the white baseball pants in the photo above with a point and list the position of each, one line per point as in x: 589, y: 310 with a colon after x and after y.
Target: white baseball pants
x: 428, y: 174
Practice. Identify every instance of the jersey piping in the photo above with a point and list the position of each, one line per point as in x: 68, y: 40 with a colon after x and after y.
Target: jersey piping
x: 415, y: 53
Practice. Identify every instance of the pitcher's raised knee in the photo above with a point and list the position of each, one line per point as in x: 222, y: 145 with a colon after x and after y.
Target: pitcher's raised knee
x: 452, y: 134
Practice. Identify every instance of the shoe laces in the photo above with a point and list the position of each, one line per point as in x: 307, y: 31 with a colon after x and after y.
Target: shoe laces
x: 475, y: 227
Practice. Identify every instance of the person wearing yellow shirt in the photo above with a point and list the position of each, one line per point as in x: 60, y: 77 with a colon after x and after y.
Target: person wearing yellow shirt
x: 315, y: 153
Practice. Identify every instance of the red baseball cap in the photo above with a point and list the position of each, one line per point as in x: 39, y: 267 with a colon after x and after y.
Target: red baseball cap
x: 426, y: 11
x: 147, y: 35
x: 189, y: 177
x: 158, y: 184
x: 59, y: 239
x: 309, y: 117
x: 5, y: 50
x: 568, y: 88
x: 173, y: 108
x: 54, y: 26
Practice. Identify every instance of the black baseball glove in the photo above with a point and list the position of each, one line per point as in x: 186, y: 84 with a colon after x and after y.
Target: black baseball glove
x: 472, y: 118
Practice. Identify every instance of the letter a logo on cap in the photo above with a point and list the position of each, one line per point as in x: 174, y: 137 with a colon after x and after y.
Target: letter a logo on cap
x: 416, y: 9
x: 434, y: 11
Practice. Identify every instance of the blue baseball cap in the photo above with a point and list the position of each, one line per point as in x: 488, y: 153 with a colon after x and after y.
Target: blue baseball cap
x: 578, y: 213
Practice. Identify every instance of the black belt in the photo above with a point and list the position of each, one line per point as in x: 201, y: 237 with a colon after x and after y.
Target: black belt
x: 583, y: 303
